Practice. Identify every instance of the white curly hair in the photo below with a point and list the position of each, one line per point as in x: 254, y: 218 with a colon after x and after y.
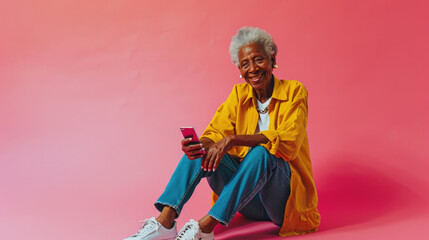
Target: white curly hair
x: 247, y: 35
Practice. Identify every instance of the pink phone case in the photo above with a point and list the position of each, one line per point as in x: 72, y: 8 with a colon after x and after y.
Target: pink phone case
x: 190, y: 132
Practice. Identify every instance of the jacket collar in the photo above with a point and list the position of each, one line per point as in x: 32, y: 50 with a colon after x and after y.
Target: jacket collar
x: 278, y: 92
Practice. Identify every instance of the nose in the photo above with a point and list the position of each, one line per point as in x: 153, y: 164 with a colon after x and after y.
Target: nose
x: 253, y: 67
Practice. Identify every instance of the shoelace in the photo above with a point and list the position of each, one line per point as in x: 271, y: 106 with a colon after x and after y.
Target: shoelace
x: 148, y: 226
x: 189, y: 231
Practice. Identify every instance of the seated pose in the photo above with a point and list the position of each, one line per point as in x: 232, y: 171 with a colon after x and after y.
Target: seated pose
x: 254, y: 154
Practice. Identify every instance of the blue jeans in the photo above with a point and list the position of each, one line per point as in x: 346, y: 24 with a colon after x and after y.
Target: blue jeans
x: 258, y: 187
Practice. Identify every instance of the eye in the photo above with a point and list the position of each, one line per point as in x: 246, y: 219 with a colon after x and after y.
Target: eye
x: 259, y: 60
x: 245, y: 64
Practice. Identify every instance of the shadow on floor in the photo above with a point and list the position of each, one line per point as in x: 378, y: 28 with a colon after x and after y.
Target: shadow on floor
x: 350, y: 193
x: 243, y: 228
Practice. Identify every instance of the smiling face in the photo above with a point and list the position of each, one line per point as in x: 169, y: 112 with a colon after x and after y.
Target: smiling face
x: 255, y: 65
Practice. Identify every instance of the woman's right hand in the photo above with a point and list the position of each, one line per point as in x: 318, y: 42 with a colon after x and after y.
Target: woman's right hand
x: 192, y: 151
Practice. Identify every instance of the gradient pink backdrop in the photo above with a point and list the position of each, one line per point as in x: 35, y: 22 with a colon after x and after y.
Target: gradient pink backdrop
x: 93, y: 93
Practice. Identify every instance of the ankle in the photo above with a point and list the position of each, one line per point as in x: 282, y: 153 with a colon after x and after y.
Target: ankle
x: 207, y: 224
x: 167, y: 223
x: 206, y: 229
x: 167, y: 216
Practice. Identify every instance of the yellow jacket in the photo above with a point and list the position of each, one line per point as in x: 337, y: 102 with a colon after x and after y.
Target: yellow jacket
x: 287, y: 140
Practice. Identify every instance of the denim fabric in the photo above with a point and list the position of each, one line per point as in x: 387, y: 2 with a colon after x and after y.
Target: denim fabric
x: 257, y: 187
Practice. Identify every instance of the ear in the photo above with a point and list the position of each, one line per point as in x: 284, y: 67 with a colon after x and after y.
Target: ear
x: 273, y: 59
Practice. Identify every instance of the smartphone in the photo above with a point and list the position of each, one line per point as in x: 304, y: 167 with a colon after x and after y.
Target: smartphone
x: 189, y: 132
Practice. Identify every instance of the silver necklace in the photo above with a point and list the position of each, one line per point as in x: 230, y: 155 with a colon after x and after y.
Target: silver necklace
x: 262, y: 111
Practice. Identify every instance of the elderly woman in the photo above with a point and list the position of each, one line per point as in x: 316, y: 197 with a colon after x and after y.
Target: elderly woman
x: 254, y: 154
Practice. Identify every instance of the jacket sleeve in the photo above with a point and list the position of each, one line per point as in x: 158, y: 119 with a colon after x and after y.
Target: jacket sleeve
x: 224, y: 120
x: 287, y: 139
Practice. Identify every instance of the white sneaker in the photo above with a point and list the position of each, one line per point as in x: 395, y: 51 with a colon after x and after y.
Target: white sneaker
x: 191, y: 231
x: 153, y: 230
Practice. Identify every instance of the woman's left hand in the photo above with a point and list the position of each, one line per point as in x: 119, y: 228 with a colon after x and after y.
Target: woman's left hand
x: 215, y: 153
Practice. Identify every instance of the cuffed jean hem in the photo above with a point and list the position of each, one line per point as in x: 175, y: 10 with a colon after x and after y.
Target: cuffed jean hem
x: 160, y: 205
x: 225, y: 223
x: 185, y: 178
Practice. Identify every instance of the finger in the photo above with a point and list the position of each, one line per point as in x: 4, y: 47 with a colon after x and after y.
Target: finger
x: 210, y: 163
x: 212, y: 160
x: 196, y: 156
x: 192, y: 149
x: 216, y: 164
x: 202, y: 161
x: 195, y: 146
x: 197, y: 151
x: 186, y: 141
x: 207, y: 159
x: 215, y: 159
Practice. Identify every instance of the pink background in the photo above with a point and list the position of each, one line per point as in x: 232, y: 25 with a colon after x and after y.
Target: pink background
x: 93, y: 93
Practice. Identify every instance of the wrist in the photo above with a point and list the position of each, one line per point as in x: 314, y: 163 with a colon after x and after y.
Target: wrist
x: 231, y: 140
x: 207, y: 143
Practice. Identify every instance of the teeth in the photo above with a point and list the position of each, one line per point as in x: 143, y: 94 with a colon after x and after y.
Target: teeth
x: 256, y: 78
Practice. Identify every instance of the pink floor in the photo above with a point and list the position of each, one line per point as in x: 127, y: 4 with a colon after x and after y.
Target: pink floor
x: 358, y: 203
x: 397, y: 218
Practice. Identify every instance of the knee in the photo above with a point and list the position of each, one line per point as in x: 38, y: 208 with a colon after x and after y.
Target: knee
x: 259, y: 150
x: 257, y: 156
